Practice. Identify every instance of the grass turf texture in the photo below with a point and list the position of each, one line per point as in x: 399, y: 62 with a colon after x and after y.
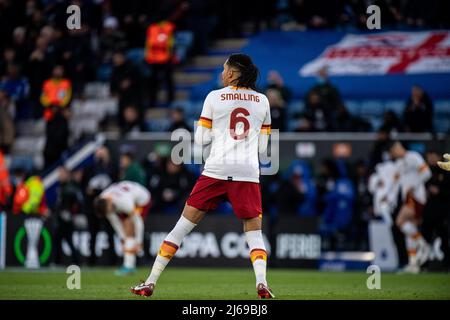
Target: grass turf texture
x: 222, y: 284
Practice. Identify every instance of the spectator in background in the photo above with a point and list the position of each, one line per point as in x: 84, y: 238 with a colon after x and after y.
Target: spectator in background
x: 112, y: 39
x: 56, y: 137
x: 124, y: 84
x: 159, y: 54
x: 77, y: 55
x: 262, y: 12
x: 276, y: 81
x: 391, y: 122
x: 7, y: 128
x: 315, y: 117
x: 178, y: 120
x: 344, y: 121
x: 19, y: 43
x: 171, y: 187
x: 418, y: 114
x: 297, y: 193
x: 363, y: 201
x: 337, y: 197
x: 9, y: 58
x: 29, y: 194
x: 328, y: 93
x: 379, y: 153
x: 16, y: 86
x: 38, y: 68
x: 96, y: 178
x: 6, y: 187
x: 69, y: 203
x: 132, y: 120
x: 56, y: 93
x: 436, y: 211
x: 277, y: 109
x: 155, y: 162
x: 130, y: 169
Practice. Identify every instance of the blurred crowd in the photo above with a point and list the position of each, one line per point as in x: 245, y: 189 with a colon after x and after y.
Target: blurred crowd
x: 44, y: 66
x: 325, y: 111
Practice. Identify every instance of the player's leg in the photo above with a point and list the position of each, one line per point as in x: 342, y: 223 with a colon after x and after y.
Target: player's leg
x: 408, y: 225
x: 129, y: 248
x: 245, y: 198
x: 258, y: 253
x: 188, y: 220
x: 206, y: 195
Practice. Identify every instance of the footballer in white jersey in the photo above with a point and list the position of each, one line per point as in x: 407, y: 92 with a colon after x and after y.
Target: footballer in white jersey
x: 411, y: 172
x: 123, y: 204
x: 384, y: 188
x: 235, y: 120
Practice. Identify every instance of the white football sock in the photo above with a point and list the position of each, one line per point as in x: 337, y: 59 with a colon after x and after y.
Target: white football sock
x: 175, y: 237
x: 129, y: 256
x: 255, y: 241
x: 408, y: 228
x: 181, y: 229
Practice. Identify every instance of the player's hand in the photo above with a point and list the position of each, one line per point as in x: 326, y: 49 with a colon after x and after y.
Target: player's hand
x: 445, y: 164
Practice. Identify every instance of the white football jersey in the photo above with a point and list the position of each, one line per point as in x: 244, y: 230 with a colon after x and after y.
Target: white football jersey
x: 126, y: 196
x: 410, y: 168
x: 237, y: 116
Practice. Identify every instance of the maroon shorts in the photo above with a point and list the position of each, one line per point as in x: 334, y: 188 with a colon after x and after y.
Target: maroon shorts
x: 245, y: 197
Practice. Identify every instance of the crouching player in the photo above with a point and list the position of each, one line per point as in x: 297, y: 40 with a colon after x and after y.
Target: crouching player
x: 236, y: 121
x: 412, y: 172
x: 124, y: 204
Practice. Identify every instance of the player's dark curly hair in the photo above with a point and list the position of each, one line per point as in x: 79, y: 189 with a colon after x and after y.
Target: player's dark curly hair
x: 249, y: 72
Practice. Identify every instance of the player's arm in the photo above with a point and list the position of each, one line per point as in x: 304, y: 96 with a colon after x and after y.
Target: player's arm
x: 116, y: 224
x: 264, y: 134
x: 203, y: 132
x: 424, y: 170
x: 445, y: 164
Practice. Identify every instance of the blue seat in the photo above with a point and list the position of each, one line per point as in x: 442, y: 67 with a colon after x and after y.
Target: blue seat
x: 136, y: 57
x: 442, y: 107
x: 186, y: 105
x: 196, y: 109
x: 395, y: 105
x: 183, y: 42
x: 375, y: 123
x: 158, y: 125
x: 353, y: 107
x: 292, y: 124
x: 441, y: 124
x: 372, y: 108
x: 295, y: 108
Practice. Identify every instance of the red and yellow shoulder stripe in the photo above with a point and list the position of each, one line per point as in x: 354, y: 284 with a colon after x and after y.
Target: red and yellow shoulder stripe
x: 205, y: 122
x: 265, y: 128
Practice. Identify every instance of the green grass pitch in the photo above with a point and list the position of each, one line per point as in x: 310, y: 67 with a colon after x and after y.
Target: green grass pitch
x: 222, y: 284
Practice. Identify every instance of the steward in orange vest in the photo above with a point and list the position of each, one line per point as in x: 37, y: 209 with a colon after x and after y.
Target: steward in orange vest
x: 5, y: 184
x: 159, y: 43
x: 56, y: 93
